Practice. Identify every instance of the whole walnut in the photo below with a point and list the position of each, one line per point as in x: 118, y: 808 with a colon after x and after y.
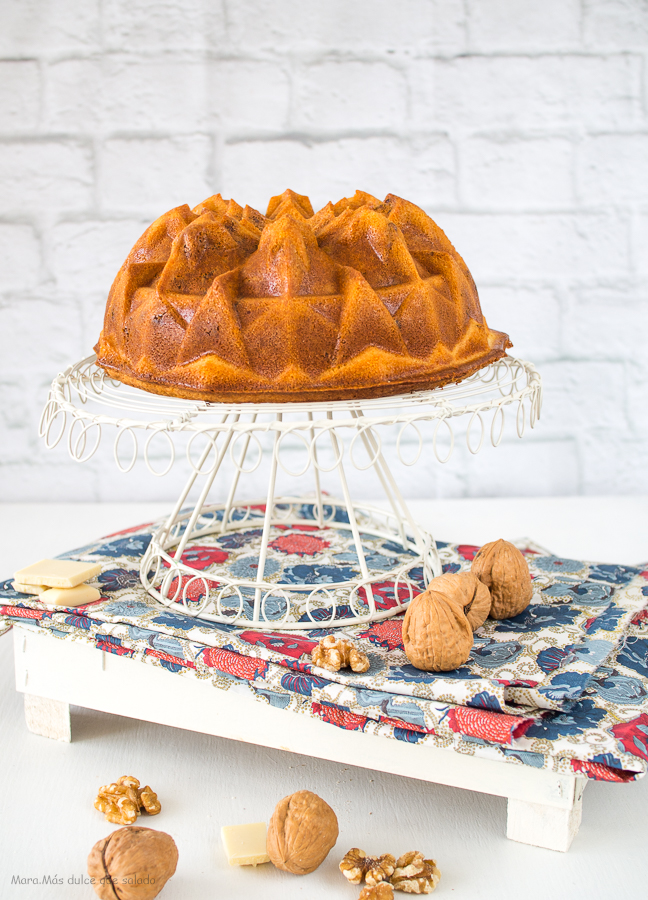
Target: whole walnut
x: 437, y: 635
x: 302, y: 830
x: 504, y: 571
x: 132, y: 863
x: 476, y: 596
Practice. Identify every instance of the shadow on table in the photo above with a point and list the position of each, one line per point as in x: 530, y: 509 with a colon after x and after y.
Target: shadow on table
x: 90, y: 724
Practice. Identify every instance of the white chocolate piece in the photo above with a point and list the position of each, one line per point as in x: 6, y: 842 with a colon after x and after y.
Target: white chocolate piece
x: 57, y: 573
x: 28, y: 588
x: 75, y: 596
x: 245, y: 845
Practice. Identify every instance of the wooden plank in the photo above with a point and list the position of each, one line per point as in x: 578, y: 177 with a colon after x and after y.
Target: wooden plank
x: 78, y: 674
x: 545, y: 826
x: 49, y: 718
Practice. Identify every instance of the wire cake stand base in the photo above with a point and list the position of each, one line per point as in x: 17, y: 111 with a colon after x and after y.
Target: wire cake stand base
x: 299, y: 559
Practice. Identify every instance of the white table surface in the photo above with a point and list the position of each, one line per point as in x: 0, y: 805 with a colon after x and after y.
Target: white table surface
x: 48, y: 824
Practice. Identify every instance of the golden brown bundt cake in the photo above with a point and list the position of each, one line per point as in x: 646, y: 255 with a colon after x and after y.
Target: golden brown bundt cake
x: 361, y: 299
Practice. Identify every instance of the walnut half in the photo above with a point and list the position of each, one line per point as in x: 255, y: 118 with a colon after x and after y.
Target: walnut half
x: 338, y: 653
x: 415, y: 875
x: 356, y: 865
x: 381, y: 891
x: 122, y: 802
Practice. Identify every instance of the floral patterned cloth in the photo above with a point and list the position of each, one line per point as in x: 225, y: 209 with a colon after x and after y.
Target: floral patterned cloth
x: 563, y: 686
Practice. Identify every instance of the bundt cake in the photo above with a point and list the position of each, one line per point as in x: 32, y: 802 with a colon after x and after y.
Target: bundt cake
x: 361, y: 299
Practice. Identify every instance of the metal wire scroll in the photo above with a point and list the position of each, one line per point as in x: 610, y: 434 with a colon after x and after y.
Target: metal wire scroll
x: 86, y: 403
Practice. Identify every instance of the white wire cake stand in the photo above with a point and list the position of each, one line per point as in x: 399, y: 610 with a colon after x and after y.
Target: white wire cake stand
x: 86, y: 403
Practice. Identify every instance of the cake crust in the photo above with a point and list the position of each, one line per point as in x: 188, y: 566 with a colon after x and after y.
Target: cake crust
x: 362, y: 299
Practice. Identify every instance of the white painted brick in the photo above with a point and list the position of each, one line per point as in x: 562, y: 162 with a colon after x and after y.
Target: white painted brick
x: 509, y: 25
x: 275, y: 89
x: 607, y: 323
x: 117, y: 93
x: 637, y: 396
x: 481, y: 92
x: 247, y: 95
x: 349, y: 96
x: 20, y: 413
x: 37, y: 479
x: 93, y: 309
x: 531, y: 316
x: 524, y: 468
x: 516, y: 174
x: 564, y: 246
x: 421, y: 170
x: 19, y: 96
x: 139, y: 483
x: 159, y: 25
x: 379, y: 25
x: 48, y: 27
x: 20, y: 261
x: 449, y: 481
x: 430, y: 479
x: 615, y: 24
x: 149, y: 176
x: 47, y: 175
x: 579, y: 396
x: 85, y: 256
x: 614, y: 464
x: 613, y: 170
x: 45, y: 339
x: 640, y: 243
x: 427, y: 477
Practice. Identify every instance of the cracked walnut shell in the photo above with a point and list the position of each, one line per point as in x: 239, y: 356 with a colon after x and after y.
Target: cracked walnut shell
x: 437, y: 636
x: 504, y: 571
x: 302, y: 830
x: 356, y: 865
x: 415, y: 875
x: 132, y: 864
x: 339, y: 653
x: 122, y: 801
x: 475, y: 595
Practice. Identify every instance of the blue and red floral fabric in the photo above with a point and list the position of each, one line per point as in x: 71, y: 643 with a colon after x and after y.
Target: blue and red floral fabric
x: 563, y: 686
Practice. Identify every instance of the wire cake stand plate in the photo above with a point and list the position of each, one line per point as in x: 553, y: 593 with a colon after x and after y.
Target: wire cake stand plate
x: 363, y: 563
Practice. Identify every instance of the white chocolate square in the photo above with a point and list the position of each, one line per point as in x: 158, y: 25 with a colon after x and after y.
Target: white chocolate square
x: 75, y: 596
x: 245, y: 845
x: 57, y: 573
x: 28, y: 588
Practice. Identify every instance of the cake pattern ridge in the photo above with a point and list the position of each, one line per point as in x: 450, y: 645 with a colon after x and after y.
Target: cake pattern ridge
x: 362, y: 299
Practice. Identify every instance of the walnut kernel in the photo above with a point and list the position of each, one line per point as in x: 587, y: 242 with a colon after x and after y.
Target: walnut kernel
x: 122, y: 801
x: 381, y: 891
x: 149, y: 800
x: 415, y: 875
x: 352, y: 865
x: 356, y: 865
x: 339, y: 653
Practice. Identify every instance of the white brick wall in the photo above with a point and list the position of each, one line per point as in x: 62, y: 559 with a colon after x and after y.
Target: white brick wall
x: 521, y: 127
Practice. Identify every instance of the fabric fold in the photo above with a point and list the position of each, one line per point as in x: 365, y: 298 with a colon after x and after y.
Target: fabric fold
x: 563, y: 686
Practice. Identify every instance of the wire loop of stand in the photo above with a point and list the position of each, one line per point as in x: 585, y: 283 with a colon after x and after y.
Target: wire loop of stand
x: 336, y: 438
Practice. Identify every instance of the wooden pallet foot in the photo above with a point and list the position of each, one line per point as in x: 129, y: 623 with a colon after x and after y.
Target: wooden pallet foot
x: 49, y: 718
x: 540, y: 825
